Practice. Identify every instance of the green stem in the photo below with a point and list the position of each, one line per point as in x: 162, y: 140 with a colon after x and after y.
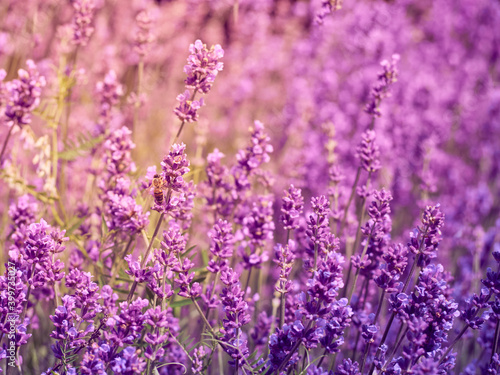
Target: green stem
x: 116, y: 265
x: 5, y: 145
x: 134, y: 285
x: 415, y: 262
x: 247, y: 282
x: 282, y: 310
x: 216, y: 279
x: 380, y: 303
x: 183, y: 122
x: 399, y: 339
x: 359, y: 269
x: 140, y: 73
x: 365, y: 354
x: 453, y: 343
x: 353, y: 190
x: 292, y: 351
x: 211, y: 330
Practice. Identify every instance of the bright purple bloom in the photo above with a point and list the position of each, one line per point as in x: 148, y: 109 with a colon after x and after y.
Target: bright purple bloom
x: 292, y: 205
x: 284, y: 259
x: 23, y: 95
x: 203, y: 66
x: 386, y: 78
x: 368, y: 152
x: 236, y: 316
x: 128, y: 362
x: 257, y: 152
x: 187, y: 109
x: 221, y: 246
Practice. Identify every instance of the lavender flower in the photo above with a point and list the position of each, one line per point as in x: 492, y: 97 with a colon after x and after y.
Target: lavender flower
x: 327, y: 7
x: 293, y: 203
x: 23, y: 95
x: 203, y: 66
x: 108, y: 94
x: 86, y: 294
x: 425, y: 240
x: 84, y: 12
x: 126, y: 326
x: 258, y: 152
x: 348, y: 367
x: 129, y: 362
x: 124, y: 214
x: 386, y: 78
x: 236, y: 311
x: 368, y: 152
x: 334, y: 324
x: 396, y: 258
x: 258, y: 225
x: 284, y: 259
x: 140, y: 274
x: 23, y: 212
x: 92, y: 363
x: 221, y: 246
x: 199, y: 355
x: 117, y: 158
x: 174, y: 166
x: 187, y: 109
x: 143, y: 36
x: 185, y: 278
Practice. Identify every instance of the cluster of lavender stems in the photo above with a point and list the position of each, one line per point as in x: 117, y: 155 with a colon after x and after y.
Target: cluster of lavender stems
x: 355, y: 230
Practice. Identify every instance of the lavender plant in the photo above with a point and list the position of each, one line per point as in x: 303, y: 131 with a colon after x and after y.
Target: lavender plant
x: 331, y: 209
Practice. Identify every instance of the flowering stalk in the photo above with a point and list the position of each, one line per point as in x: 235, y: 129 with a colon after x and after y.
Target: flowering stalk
x: 146, y: 256
x: 201, y: 69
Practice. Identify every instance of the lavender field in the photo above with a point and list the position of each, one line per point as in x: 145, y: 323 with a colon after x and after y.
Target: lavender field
x: 283, y: 187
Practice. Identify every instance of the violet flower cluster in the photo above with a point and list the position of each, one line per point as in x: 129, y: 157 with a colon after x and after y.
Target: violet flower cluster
x: 283, y: 245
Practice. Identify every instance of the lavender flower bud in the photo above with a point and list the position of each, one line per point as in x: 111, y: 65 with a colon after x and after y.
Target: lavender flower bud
x: 368, y: 152
x: 203, y: 66
x: 84, y: 12
x: 23, y: 95
x: 293, y: 203
x: 348, y: 367
x: 386, y: 78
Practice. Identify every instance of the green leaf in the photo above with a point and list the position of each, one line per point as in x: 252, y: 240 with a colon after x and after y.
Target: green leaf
x: 84, y: 143
x: 104, y: 226
x: 180, y: 303
x: 75, y: 226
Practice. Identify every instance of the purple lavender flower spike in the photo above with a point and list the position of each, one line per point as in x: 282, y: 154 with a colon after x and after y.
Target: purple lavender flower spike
x: 236, y: 311
x: 82, y: 29
x: 108, y: 94
x: 292, y: 205
x: 368, y: 152
x: 129, y: 362
x: 203, y: 66
x: 187, y: 109
x: 23, y: 95
x: 258, y: 152
x: 143, y: 36
x: 386, y: 78
x: 221, y: 246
